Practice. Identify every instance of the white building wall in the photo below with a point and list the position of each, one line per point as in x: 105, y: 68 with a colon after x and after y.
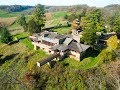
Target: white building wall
x: 75, y: 55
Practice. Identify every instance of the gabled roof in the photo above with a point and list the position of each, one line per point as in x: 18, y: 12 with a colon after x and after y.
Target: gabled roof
x: 74, y: 45
x: 78, y: 47
x: 61, y: 47
x: 67, y: 41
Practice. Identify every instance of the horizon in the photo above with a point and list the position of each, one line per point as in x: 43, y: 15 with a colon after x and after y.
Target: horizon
x: 91, y: 3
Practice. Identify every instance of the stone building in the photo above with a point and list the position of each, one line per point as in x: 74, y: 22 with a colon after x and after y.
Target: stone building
x: 52, y: 43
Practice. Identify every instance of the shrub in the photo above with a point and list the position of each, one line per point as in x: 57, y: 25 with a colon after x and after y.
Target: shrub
x: 106, y: 55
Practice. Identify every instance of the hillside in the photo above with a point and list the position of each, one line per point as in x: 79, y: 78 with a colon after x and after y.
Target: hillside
x: 98, y: 69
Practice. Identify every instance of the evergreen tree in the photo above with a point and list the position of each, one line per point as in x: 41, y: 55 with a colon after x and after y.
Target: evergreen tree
x: 22, y: 21
x: 94, y: 23
x: 33, y: 27
x: 38, y: 20
x: 5, y: 36
x: 39, y: 15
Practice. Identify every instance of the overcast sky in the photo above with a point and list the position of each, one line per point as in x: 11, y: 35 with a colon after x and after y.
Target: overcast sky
x: 98, y: 3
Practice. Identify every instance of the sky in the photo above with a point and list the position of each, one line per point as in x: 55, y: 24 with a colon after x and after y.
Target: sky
x: 97, y: 3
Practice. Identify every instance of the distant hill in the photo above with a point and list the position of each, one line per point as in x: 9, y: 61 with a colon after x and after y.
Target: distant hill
x: 66, y: 8
x: 15, y: 8
x: 115, y: 8
x: 11, y: 10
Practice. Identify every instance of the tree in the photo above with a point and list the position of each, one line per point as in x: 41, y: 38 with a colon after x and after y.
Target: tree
x: 33, y: 27
x: 22, y: 21
x: 39, y: 16
x: 37, y: 20
x: 112, y: 42
x: 93, y: 23
x: 66, y: 16
x: 89, y: 36
x: 5, y: 36
x: 114, y: 22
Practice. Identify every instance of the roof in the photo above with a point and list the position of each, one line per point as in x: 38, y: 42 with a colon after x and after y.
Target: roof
x: 52, y: 35
x: 47, y: 59
x: 75, y: 46
x: 67, y: 41
x: 106, y: 36
x: 60, y: 36
x: 61, y: 47
x: 78, y: 47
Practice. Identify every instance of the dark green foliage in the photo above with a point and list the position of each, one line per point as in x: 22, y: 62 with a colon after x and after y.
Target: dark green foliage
x: 89, y: 37
x: 5, y: 36
x: 66, y: 17
x: 39, y: 16
x: 22, y: 21
x: 94, y: 23
x: 114, y: 22
x: 38, y: 20
x: 33, y: 27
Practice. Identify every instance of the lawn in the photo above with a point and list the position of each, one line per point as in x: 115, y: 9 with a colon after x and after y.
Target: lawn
x: 86, y: 63
x: 63, y: 30
x: 24, y: 38
x: 56, y: 19
x: 59, y: 14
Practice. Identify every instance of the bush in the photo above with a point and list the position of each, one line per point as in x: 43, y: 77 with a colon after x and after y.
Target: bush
x: 106, y: 55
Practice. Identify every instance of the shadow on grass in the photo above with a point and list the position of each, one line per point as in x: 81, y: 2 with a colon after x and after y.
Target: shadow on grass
x: 1, y: 56
x: 16, y: 41
x: 90, y: 53
x: 9, y: 57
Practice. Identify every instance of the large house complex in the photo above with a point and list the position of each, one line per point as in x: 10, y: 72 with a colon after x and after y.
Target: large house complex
x: 53, y: 43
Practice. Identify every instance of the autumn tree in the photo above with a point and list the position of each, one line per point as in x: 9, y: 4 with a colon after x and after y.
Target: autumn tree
x: 112, y: 42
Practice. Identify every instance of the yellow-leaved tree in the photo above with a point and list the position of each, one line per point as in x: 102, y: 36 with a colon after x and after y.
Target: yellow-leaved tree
x: 112, y: 42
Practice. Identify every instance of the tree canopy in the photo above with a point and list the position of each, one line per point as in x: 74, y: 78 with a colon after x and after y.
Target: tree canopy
x: 22, y: 21
x: 37, y: 20
x: 93, y: 23
x: 114, y: 22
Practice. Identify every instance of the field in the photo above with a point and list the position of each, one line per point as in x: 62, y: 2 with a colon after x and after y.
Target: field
x: 5, y: 14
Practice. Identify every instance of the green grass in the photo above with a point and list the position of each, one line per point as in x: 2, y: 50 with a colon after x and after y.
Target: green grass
x: 7, y: 14
x: 70, y: 62
x: 63, y: 30
x: 87, y: 63
x: 28, y: 43
x: 57, y: 18
x: 23, y: 37
x: 59, y: 14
